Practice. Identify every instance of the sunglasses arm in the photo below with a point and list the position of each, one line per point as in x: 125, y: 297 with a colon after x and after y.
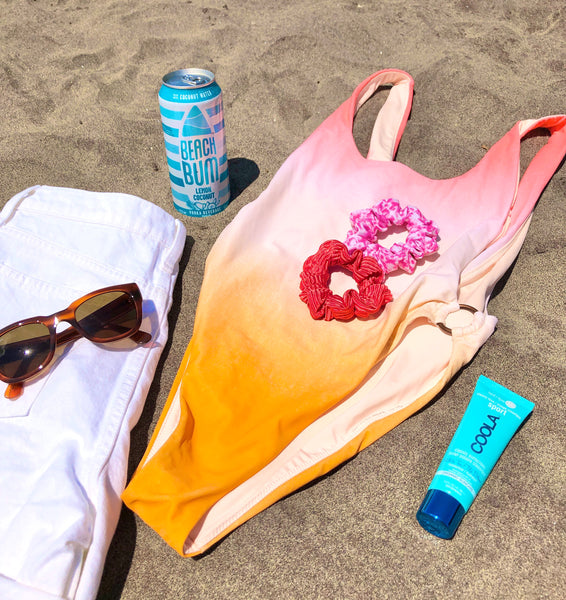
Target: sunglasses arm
x: 14, y: 390
x: 67, y: 336
x: 141, y: 337
x: 70, y: 335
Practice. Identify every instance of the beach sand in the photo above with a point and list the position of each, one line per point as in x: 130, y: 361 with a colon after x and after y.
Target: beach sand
x: 79, y: 83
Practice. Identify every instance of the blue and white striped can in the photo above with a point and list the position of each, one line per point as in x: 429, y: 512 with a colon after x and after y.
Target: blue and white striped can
x: 192, y: 118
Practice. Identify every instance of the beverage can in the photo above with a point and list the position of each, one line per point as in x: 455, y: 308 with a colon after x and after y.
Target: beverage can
x: 192, y: 119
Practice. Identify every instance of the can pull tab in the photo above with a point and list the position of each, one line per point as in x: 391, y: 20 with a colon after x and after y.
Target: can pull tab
x: 193, y: 79
x: 457, y: 320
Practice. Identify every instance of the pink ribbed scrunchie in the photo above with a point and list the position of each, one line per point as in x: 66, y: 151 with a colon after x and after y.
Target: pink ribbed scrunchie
x: 420, y: 241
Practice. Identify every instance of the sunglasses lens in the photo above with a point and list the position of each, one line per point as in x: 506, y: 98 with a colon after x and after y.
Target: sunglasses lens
x: 108, y: 315
x: 24, y: 349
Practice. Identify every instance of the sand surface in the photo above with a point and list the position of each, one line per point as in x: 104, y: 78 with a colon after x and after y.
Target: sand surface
x: 79, y: 82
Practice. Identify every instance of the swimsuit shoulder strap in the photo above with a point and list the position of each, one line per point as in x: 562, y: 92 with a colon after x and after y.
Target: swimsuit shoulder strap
x: 545, y: 162
x: 392, y: 118
x: 540, y: 169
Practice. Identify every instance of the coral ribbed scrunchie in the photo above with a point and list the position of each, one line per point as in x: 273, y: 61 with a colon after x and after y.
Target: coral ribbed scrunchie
x: 371, y: 296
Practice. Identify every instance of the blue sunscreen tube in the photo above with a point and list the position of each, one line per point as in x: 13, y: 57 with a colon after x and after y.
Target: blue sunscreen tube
x: 493, y: 416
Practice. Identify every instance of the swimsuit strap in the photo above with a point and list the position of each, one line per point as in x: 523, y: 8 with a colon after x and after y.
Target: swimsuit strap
x: 392, y: 118
x: 538, y: 173
x: 544, y: 163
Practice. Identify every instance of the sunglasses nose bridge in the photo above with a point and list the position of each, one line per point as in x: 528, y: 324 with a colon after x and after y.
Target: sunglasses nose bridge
x: 68, y: 334
x: 64, y: 316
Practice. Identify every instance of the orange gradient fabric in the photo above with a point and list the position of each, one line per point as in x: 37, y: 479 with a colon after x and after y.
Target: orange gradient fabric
x: 268, y: 398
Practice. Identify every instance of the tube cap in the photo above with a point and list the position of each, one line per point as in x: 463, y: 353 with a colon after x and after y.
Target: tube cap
x: 440, y: 514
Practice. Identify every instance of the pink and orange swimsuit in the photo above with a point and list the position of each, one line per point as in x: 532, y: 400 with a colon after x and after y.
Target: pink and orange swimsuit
x: 268, y: 398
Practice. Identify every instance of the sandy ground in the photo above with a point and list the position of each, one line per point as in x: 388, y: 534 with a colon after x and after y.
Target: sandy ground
x: 79, y: 84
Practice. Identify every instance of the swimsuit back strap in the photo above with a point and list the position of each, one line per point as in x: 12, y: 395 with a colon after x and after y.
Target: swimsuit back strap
x: 545, y: 162
x: 392, y: 118
x: 540, y: 169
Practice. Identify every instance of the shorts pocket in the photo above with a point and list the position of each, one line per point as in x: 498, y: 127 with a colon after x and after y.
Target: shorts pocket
x: 20, y: 407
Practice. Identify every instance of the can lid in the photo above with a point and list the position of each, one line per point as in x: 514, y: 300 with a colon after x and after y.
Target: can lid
x: 188, y: 79
x: 440, y: 514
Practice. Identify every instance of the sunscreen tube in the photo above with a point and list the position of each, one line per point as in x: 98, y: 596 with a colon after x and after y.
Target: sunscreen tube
x: 493, y: 416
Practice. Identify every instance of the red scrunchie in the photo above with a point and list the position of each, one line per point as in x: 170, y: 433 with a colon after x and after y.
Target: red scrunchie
x: 371, y: 296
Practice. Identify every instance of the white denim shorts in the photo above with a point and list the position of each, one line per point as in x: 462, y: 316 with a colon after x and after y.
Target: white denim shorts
x: 64, y: 443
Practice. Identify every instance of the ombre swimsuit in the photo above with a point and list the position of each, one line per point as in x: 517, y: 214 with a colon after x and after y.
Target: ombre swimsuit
x: 268, y: 398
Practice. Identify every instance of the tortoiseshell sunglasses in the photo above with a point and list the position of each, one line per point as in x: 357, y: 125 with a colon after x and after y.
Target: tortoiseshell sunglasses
x: 106, y: 315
